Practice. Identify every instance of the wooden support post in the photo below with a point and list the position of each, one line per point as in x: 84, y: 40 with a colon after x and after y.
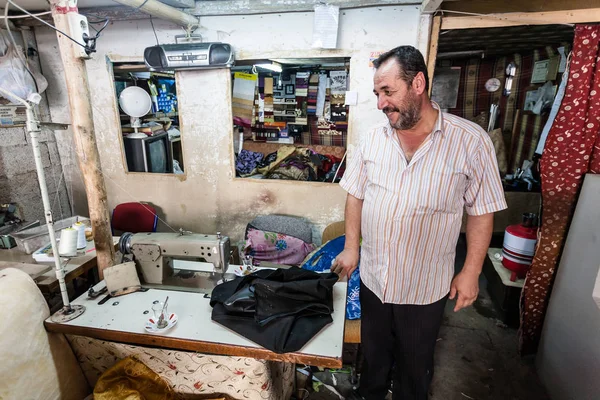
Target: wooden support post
x: 82, y: 124
x: 433, y: 48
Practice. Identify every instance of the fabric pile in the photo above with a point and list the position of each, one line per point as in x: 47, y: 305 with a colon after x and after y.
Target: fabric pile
x: 288, y: 163
x: 132, y: 379
x: 247, y: 161
x: 279, y: 309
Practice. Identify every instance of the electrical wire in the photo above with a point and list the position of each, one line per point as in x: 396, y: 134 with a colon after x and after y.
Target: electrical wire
x: 105, y: 21
x: 26, y: 15
x: 87, y: 48
x: 154, y: 30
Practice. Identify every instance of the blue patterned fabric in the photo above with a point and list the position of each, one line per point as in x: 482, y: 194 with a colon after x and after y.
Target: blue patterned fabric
x: 321, y: 260
x: 247, y: 161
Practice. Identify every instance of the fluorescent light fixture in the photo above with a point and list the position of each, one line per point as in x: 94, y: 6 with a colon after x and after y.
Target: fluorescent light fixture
x: 273, y: 66
x: 458, y: 54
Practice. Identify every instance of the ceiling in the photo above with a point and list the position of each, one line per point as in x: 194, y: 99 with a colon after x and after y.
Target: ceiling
x: 43, y: 5
x: 505, y: 40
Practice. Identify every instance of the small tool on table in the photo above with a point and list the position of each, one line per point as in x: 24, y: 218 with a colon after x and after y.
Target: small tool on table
x: 92, y: 294
x: 161, y: 319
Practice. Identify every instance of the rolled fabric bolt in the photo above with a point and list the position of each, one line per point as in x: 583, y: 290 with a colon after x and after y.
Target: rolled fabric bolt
x: 68, y: 242
x: 80, y: 228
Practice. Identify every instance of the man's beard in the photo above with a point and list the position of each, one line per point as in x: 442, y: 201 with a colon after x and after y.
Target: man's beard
x: 408, y: 117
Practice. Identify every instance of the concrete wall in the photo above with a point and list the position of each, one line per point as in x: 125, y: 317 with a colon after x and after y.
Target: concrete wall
x: 18, y: 178
x: 568, y: 361
x: 208, y: 197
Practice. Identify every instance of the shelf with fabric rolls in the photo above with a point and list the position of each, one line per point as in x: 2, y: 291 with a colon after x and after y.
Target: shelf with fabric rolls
x: 301, y: 103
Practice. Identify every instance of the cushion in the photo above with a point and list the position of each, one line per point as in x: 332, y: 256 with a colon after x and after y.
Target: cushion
x: 277, y: 248
x: 292, y: 226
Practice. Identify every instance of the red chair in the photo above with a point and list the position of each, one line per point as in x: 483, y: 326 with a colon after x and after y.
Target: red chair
x: 134, y: 218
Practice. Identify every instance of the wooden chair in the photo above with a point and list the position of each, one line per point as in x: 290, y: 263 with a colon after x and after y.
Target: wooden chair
x: 351, y: 327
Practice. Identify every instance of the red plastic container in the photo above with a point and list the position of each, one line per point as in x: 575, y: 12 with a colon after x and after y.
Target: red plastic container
x: 518, y: 248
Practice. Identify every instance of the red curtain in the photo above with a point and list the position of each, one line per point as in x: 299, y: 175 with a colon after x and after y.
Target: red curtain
x: 572, y: 150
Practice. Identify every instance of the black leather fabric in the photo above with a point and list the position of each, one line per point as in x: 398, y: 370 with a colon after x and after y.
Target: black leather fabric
x: 278, y: 309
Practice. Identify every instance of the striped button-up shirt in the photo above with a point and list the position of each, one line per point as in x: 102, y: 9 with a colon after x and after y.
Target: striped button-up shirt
x: 412, y: 211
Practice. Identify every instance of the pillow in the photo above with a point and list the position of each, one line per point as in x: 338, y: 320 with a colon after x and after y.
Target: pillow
x: 275, y: 247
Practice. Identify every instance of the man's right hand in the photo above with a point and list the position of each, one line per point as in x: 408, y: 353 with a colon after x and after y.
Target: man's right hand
x: 345, y: 263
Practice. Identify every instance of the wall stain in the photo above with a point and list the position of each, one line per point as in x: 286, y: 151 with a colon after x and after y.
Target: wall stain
x: 266, y: 197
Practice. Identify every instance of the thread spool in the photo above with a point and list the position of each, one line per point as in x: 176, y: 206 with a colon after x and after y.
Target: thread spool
x: 68, y: 242
x: 80, y: 228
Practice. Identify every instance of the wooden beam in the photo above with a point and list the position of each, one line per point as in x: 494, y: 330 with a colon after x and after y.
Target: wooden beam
x: 514, y: 19
x: 82, y: 124
x: 495, y: 6
x: 433, y: 48
x: 430, y: 6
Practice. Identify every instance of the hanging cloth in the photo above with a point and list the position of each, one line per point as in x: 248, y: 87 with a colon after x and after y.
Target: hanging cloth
x: 572, y: 149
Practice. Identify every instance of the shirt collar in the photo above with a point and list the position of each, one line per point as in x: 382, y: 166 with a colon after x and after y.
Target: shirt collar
x: 439, y: 124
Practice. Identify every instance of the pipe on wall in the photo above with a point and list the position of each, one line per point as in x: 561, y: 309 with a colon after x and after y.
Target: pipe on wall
x: 163, y: 11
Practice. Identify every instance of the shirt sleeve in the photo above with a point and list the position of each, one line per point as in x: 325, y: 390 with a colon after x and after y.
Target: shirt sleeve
x: 354, y: 180
x: 484, y: 193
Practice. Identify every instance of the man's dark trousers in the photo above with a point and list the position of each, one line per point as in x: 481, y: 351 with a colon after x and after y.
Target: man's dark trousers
x: 399, y: 336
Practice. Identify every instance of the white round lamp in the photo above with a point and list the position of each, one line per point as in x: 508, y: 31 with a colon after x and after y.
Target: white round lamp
x: 136, y: 103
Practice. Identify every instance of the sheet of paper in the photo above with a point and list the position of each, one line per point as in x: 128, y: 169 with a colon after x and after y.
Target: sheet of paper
x: 243, y: 98
x: 325, y: 29
x: 243, y: 86
x: 338, y: 82
x: 351, y: 98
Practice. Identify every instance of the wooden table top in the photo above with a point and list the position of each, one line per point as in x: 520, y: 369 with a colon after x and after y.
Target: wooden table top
x: 195, y: 331
x: 33, y: 270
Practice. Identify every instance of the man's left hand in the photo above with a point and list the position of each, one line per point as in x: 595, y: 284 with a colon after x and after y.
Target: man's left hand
x: 466, y: 286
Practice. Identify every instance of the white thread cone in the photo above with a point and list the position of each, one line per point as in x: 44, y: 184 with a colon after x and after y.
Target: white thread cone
x: 80, y: 228
x: 68, y: 242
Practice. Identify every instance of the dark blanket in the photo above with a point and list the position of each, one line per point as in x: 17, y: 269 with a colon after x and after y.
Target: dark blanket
x: 280, y: 309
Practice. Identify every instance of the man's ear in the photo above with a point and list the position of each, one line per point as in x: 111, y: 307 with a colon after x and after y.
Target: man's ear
x: 418, y: 83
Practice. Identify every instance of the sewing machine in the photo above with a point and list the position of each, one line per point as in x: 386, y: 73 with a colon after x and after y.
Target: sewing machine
x: 10, y: 223
x: 182, y: 261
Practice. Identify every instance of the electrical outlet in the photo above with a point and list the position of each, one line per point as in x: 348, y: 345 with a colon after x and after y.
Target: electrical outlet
x: 78, y: 26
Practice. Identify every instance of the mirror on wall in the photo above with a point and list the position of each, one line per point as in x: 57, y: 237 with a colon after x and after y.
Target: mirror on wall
x: 148, y: 113
x: 290, y: 118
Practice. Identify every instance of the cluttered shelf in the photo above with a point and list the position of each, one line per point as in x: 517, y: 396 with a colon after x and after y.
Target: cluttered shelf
x: 307, y: 163
x: 154, y: 115
x: 266, y: 148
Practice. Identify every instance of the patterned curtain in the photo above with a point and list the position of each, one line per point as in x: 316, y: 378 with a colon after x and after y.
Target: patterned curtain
x: 572, y: 150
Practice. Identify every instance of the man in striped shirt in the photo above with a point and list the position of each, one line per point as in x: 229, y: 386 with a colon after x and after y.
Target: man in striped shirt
x: 408, y: 182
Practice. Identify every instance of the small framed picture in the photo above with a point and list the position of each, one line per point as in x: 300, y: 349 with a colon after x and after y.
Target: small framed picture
x: 289, y: 89
x: 277, y: 94
x: 279, y: 85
